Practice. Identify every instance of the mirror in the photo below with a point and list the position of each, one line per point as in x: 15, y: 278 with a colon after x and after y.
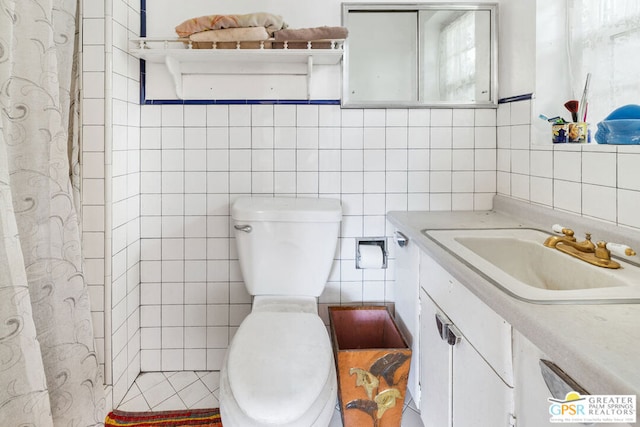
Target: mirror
x: 420, y: 55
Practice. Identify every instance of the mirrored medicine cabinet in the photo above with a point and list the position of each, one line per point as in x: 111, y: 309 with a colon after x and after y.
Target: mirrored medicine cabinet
x: 420, y: 55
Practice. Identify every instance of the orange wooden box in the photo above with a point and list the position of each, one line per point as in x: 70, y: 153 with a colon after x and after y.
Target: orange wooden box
x: 372, y: 359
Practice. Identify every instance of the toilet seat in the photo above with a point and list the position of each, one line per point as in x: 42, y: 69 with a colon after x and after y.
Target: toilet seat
x: 278, y: 365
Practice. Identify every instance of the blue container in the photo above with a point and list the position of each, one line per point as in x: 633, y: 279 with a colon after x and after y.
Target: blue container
x: 621, y: 127
x: 622, y: 132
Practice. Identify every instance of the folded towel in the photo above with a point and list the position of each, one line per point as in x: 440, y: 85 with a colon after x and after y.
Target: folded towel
x: 249, y: 38
x: 231, y: 35
x: 302, y: 45
x: 217, y: 22
x: 317, y: 33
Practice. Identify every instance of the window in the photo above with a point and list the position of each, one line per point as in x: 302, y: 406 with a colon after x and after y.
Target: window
x: 605, y: 41
x: 457, y: 54
x: 579, y: 37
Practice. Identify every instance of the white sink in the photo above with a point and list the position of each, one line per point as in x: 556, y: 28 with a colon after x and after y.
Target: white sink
x: 516, y: 261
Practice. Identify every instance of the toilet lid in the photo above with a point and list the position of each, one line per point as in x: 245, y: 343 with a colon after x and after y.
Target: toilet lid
x: 278, y: 365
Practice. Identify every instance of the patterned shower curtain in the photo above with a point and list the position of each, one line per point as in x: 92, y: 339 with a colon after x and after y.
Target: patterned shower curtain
x: 49, y: 373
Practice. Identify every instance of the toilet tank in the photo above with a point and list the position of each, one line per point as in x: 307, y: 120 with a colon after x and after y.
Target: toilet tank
x: 286, y: 245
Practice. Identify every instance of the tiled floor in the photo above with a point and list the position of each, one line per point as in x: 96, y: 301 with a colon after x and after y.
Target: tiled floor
x: 163, y: 391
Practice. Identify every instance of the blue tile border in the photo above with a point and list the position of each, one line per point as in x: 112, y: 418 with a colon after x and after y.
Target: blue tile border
x: 516, y: 98
x: 143, y: 81
x: 239, y: 101
x: 145, y: 101
x: 143, y: 18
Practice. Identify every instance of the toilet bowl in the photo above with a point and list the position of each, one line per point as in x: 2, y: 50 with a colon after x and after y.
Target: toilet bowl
x: 279, y: 368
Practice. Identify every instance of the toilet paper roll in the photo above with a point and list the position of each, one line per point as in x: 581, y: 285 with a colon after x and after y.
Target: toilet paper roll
x: 371, y: 256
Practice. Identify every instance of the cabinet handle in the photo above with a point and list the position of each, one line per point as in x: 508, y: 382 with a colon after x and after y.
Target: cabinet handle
x: 453, y: 336
x: 558, y: 381
x: 447, y: 331
x: 441, y: 324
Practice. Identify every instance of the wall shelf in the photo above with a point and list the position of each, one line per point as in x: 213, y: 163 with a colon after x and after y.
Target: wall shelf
x: 182, y: 59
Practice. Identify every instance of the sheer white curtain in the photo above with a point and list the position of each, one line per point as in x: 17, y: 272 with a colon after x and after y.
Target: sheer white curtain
x: 457, y: 53
x: 605, y: 41
x: 49, y: 374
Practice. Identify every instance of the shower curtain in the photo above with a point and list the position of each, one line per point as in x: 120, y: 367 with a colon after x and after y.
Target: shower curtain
x: 49, y: 372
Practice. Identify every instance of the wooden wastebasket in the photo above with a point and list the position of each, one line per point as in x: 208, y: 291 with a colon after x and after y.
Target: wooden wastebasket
x: 372, y: 360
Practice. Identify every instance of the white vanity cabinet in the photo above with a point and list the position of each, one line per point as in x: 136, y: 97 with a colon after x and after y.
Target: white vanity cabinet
x: 407, y: 304
x: 466, y: 372
x: 476, y: 369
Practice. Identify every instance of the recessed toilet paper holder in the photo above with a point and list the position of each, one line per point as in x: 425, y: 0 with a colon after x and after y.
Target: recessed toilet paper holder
x: 371, y: 241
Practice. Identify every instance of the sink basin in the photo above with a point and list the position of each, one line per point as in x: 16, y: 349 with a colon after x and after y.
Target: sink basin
x: 516, y: 261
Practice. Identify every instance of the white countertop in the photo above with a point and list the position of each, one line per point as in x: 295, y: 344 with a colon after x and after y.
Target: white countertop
x: 597, y: 345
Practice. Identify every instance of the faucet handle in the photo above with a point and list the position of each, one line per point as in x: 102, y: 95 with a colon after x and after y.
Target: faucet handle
x: 620, y: 249
x: 602, y: 252
x: 557, y: 228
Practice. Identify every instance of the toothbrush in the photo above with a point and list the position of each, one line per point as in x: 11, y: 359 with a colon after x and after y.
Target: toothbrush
x: 583, y: 101
x: 586, y: 109
x: 555, y: 120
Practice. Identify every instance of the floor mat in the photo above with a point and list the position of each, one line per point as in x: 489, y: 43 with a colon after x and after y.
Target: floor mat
x: 188, y: 417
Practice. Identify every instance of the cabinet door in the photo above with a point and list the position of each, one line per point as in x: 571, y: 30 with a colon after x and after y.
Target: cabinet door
x: 488, y: 333
x: 532, y: 406
x: 407, y: 304
x: 480, y: 397
x: 532, y: 393
x: 459, y: 388
x: 436, y: 357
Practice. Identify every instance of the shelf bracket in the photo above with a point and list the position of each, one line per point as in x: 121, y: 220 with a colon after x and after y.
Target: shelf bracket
x: 309, y: 72
x: 173, y: 65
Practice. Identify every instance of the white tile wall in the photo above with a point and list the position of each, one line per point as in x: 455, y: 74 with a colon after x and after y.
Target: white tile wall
x: 177, y: 292
x: 126, y: 163
x: 601, y: 182
x: 124, y: 208
x: 92, y: 161
x: 195, y: 160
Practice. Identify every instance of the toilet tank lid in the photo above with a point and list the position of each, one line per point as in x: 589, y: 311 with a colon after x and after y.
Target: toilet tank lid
x: 290, y: 209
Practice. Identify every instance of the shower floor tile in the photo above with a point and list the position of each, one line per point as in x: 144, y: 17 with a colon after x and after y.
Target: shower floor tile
x: 165, y: 391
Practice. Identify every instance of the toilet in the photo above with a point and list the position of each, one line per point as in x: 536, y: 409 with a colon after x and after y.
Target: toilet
x: 279, y: 368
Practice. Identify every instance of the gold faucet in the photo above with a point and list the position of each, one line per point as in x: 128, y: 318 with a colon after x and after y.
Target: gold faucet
x: 599, y: 254
x: 552, y: 241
